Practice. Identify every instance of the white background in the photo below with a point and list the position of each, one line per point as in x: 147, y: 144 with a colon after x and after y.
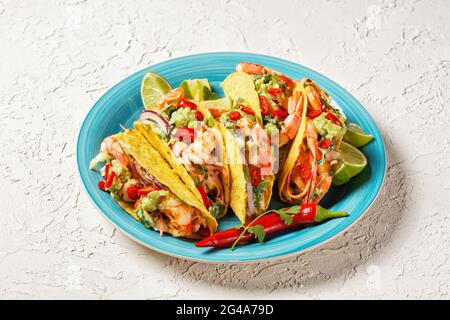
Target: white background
x: 58, y: 57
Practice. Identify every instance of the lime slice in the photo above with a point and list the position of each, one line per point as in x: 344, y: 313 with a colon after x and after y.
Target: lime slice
x: 356, y: 136
x: 353, y: 162
x: 153, y: 87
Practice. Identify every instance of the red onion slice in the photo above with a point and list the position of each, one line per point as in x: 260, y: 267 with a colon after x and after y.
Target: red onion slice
x: 156, y: 118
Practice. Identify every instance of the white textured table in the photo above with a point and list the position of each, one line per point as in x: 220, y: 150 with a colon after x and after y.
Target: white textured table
x: 59, y: 57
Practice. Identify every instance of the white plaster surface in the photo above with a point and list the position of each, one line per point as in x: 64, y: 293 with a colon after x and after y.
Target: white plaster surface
x: 58, y: 57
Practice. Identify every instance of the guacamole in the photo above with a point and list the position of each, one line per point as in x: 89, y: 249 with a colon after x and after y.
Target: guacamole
x: 327, y: 129
x: 183, y: 118
x: 150, y: 202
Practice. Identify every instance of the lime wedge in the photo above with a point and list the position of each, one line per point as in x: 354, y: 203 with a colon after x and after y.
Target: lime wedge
x: 353, y: 162
x: 217, y: 106
x: 153, y: 87
x: 197, y: 89
x: 341, y: 176
x: 356, y: 136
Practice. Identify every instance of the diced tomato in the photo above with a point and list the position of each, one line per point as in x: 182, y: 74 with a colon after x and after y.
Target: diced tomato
x: 325, y: 144
x: 246, y: 110
x: 281, y: 114
x: 234, y: 115
x: 198, y: 116
x: 314, y: 114
x: 324, y: 108
x: 255, y: 175
x: 264, y: 106
x: 110, y: 180
x: 185, y: 134
x: 274, y: 91
x: 101, y: 185
x: 333, y: 118
x: 132, y: 193
x: 188, y: 104
x: 205, y: 199
x: 146, y: 190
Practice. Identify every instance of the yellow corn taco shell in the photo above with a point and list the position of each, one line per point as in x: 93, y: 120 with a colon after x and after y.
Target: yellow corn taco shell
x: 240, y: 85
x: 143, y: 152
x: 291, y: 157
x: 177, y: 166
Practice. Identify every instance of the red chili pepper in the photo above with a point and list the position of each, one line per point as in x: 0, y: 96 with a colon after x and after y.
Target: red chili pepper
x: 281, y: 114
x: 132, y: 193
x: 255, y: 175
x: 314, y: 114
x: 272, y: 223
x: 234, y: 115
x: 324, y: 108
x: 110, y: 180
x: 101, y: 185
x: 333, y: 118
x: 184, y: 134
x: 274, y: 91
x: 308, y: 80
x: 187, y: 103
x: 198, y: 116
x: 325, y: 144
x: 264, y: 106
x: 205, y: 199
x: 246, y: 110
x: 108, y: 165
x: 146, y: 190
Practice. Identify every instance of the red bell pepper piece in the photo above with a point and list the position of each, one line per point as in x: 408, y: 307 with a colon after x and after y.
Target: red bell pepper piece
x: 234, y: 115
x: 132, y: 193
x: 110, y: 180
x: 246, y: 110
x: 101, y: 185
x: 281, y: 114
x: 314, y: 114
x: 205, y: 199
x: 274, y: 91
x: 255, y: 175
x: 198, y: 115
x: 333, y: 118
x: 272, y: 223
x: 146, y: 190
x: 325, y: 144
x: 188, y: 104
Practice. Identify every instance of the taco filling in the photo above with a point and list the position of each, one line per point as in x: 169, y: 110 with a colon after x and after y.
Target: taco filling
x: 313, y: 158
x: 144, y: 197
x: 253, y: 146
x: 189, y: 133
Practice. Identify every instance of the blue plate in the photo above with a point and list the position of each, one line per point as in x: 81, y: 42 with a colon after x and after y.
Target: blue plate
x: 122, y: 104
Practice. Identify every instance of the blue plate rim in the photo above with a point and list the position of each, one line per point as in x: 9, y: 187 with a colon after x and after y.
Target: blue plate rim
x: 219, y: 261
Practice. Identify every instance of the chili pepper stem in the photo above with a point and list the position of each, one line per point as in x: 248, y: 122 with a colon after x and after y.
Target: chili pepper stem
x: 323, y: 214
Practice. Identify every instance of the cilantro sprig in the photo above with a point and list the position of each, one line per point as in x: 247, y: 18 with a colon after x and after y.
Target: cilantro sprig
x: 258, y: 230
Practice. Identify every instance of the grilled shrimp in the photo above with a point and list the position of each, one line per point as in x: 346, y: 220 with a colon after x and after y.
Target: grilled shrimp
x: 112, y: 147
x: 258, y: 70
x: 293, y: 120
x: 313, y: 97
